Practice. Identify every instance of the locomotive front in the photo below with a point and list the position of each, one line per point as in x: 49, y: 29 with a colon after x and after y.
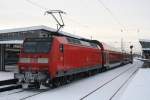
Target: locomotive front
x: 34, y: 61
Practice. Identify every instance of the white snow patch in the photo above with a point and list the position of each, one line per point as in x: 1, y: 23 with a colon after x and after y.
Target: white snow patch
x: 6, y: 75
x: 9, y: 73
x: 138, y: 89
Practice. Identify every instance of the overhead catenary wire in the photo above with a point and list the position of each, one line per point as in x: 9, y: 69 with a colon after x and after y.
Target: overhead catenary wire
x: 46, y: 9
x: 37, y: 5
x: 112, y: 15
x: 77, y: 22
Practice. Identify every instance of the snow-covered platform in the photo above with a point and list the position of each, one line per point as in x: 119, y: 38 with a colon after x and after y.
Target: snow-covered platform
x: 9, y: 73
x: 144, y: 60
x: 138, y: 89
x: 6, y: 75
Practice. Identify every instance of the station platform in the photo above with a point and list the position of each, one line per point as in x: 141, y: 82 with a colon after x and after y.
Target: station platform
x: 6, y: 75
x: 9, y: 73
x: 138, y: 89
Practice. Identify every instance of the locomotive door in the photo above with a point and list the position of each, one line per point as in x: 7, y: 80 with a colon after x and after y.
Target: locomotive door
x: 68, y: 57
x: 62, y: 53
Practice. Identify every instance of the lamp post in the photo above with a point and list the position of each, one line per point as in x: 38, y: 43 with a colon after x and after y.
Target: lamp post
x: 131, y: 47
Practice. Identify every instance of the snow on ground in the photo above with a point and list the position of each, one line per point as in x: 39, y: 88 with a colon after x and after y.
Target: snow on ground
x: 138, y: 89
x: 106, y: 92
x: 9, y: 73
x: 6, y: 75
x: 78, y: 89
x: 18, y: 95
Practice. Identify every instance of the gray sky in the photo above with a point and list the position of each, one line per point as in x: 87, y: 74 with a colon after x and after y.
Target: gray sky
x: 84, y: 17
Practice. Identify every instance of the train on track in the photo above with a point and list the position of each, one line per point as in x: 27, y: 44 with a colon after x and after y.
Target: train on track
x: 59, y: 59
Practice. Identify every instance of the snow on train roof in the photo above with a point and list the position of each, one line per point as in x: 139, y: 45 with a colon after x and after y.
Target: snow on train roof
x: 38, y: 28
x: 110, y: 48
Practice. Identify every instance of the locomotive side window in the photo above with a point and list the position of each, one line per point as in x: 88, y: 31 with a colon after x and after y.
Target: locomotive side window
x: 34, y: 46
x: 74, y: 41
x: 83, y: 43
x: 86, y: 43
x: 93, y: 45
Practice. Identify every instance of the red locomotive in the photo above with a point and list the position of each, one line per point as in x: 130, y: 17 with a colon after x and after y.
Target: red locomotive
x: 58, y: 59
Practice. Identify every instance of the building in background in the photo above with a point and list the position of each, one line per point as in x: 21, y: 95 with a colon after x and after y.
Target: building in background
x: 145, y: 48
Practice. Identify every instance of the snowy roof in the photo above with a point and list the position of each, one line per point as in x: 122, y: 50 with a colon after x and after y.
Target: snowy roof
x: 12, y: 42
x: 145, y: 43
x: 146, y: 49
x: 144, y: 40
x: 40, y: 27
x: 37, y: 28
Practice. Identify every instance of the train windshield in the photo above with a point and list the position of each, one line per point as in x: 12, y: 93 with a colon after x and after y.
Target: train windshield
x: 37, y: 46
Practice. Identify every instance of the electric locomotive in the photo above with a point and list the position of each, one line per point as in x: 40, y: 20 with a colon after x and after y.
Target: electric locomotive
x: 45, y: 60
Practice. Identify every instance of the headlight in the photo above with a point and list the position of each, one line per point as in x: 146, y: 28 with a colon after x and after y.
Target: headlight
x: 42, y: 60
x: 24, y: 60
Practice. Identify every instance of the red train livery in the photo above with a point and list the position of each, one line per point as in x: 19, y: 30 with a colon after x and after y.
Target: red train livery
x: 56, y: 60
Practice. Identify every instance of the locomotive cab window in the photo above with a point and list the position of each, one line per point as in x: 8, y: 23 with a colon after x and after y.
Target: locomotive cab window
x: 39, y: 45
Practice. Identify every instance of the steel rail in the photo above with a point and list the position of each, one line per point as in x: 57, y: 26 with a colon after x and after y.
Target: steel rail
x: 105, y: 83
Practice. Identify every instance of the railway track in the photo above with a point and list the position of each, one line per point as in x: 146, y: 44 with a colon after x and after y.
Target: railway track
x: 109, y: 81
x: 22, y: 94
x: 32, y: 95
x: 123, y: 84
x: 11, y: 87
x: 12, y: 91
x: 8, y: 82
x: 7, y: 85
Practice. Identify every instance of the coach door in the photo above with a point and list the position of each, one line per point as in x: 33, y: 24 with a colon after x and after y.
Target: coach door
x: 106, y: 57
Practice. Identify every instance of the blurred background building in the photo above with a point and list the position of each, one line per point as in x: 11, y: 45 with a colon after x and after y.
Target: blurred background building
x: 145, y: 48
